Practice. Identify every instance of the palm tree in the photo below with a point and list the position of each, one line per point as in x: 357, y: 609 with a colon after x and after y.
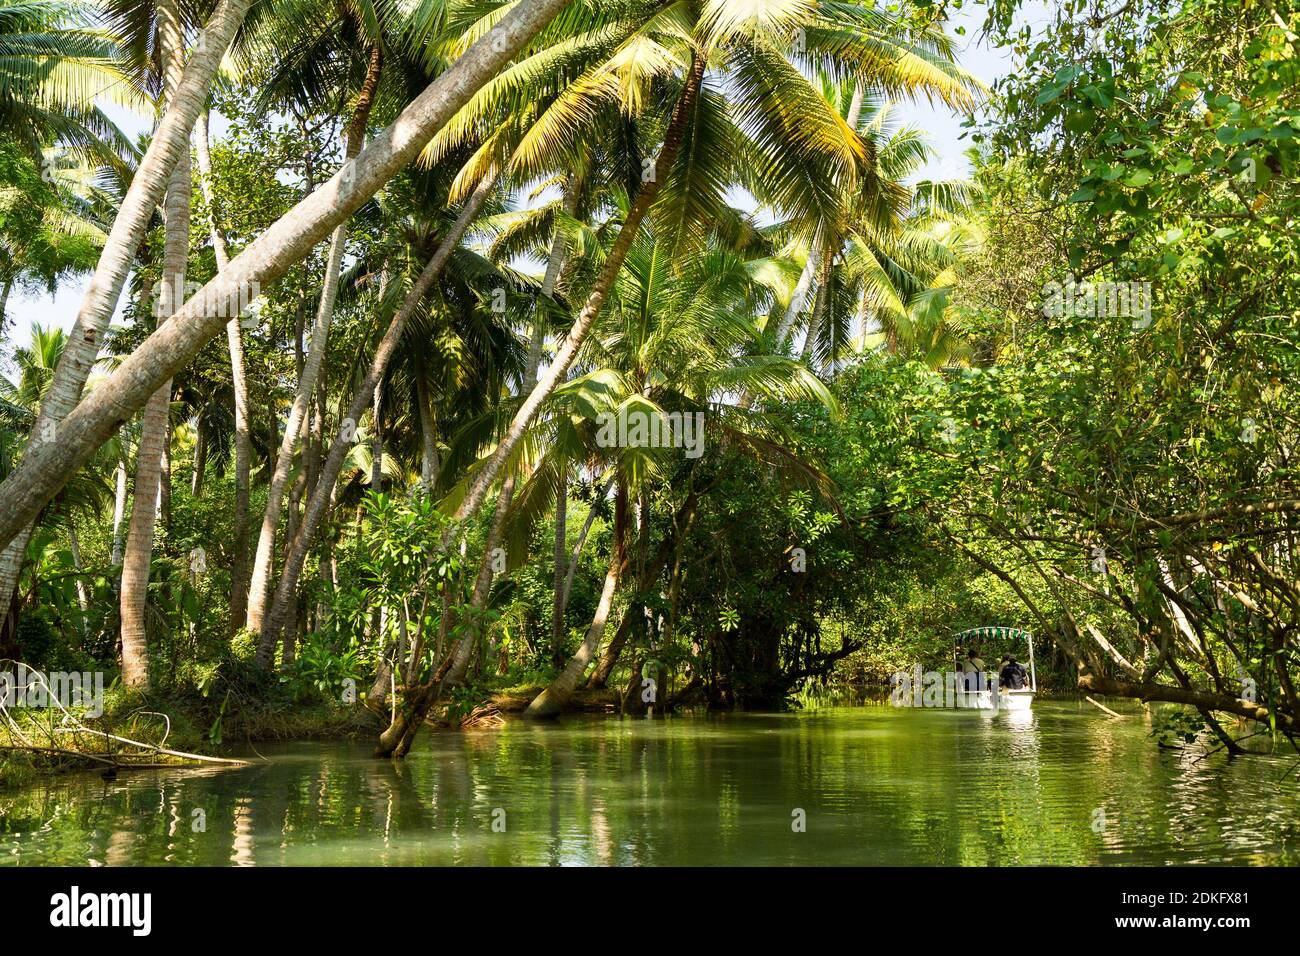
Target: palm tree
x: 350, y: 45
x: 779, y: 136
x: 45, y: 467
x: 239, y: 382
x: 19, y: 405
x: 778, y: 129
x: 362, y: 398
x: 679, y: 338
x: 132, y: 219
x: 55, y: 70
x: 155, y: 426
x: 877, y: 233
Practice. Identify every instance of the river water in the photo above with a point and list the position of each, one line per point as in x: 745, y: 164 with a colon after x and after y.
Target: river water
x: 863, y: 785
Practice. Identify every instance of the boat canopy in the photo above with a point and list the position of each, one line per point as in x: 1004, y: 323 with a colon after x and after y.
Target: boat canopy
x: 994, y: 633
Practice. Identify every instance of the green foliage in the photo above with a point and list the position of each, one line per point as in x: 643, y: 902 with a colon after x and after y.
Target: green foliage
x: 322, y: 670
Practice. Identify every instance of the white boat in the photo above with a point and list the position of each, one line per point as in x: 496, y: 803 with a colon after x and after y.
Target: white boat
x: 1007, y: 699
x: 1015, y: 699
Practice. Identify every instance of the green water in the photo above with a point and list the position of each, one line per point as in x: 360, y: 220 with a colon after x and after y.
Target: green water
x: 876, y: 785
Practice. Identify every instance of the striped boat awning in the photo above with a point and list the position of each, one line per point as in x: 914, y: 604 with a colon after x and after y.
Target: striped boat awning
x: 994, y: 633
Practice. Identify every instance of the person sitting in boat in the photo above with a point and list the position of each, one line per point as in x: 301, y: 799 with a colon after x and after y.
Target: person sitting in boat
x: 973, y: 670
x: 1013, y: 675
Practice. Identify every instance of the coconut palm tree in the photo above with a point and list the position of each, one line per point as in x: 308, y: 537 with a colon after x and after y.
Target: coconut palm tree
x: 879, y: 243
x: 678, y: 340
x: 45, y: 467
x: 132, y: 218
x: 772, y: 130
x: 20, y: 401
x: 55, y: 72
x: 330, y: 57
x: 772, y: 127
x: 362, y: 398
x: 155, y: 425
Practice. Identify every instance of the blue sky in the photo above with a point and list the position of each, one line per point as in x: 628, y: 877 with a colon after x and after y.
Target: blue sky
x: 941, y: 125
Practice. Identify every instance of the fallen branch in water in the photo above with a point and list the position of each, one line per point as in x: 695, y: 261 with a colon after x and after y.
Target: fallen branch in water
x: 1103, y: 707
x: 111, y: 762
x: 71, y: 727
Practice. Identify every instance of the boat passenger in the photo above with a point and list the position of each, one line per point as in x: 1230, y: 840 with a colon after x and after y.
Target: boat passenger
x: 1013, y: 675
x: 973, y: 670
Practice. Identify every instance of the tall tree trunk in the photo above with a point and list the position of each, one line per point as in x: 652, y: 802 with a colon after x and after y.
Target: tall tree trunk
x: 561, y: 552
x: 83, y: 598
x: 430, y: 464
x: 819, y: 309
x: 239, y: 379
x: 578, y: 545
x: 556, y: 696
x: 339, y: 448
x: 800, y: 294
x: 169, y: 142
x: 568, y: 350
x: 200, y: 461
x: 119, y: 513
x: 554, y: 266
x: 260, y: 585
x: 5, y: 288
x: 155, y: 432
x: 45, y: 469
x: 377, y: 438
x: 315, y: 434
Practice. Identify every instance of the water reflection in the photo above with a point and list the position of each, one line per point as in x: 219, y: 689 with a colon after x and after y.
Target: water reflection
x: 876, y: 785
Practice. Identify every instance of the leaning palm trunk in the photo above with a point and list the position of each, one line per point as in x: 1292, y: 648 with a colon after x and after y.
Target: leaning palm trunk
x: 260, y: 584
x: 169, y: 142
x: 568, y: 350
x: 577, y: 553
x: 239, y: 379
x: 339, y: 448
x: 44, y: 470
x: 556, y: 696
x: 155, y: 430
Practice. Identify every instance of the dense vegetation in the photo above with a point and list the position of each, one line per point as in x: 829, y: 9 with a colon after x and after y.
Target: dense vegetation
x: 618, y: 354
